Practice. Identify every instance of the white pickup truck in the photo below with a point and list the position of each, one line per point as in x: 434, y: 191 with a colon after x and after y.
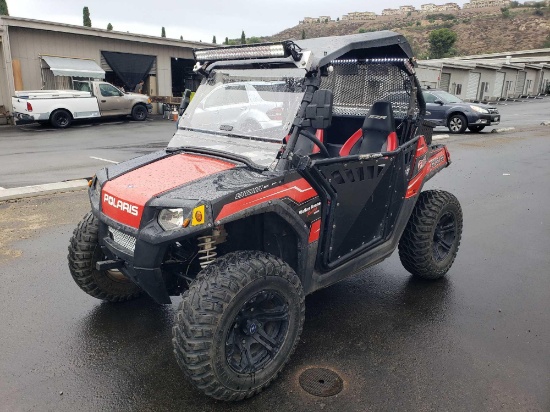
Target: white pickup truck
x: 61, y: 107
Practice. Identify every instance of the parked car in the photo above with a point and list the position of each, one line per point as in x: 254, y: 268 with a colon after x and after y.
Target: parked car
x: 241, y: 107
x: 445, y: 109
x: 61, y: 107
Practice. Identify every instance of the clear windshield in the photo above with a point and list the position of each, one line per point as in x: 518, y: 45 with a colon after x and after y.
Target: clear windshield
x: 245, y: 112
x: 447, y: 97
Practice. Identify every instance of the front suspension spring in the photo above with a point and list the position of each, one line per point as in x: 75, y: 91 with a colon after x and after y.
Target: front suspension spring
x: 207, y: 250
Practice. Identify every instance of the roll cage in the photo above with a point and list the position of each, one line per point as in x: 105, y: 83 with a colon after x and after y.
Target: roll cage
x: 358, y: 70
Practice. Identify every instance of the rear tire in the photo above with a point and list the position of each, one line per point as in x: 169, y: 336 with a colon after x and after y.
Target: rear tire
x: 84, y: 252
x: 238, y: 324
x: 61, y: 119
x: 476, y: 129
x: 139, y: 112
x: 430, y: 242
x: 457, y: 123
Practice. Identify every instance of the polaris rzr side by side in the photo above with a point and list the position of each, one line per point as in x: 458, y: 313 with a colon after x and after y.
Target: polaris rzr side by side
x: 296, y: 165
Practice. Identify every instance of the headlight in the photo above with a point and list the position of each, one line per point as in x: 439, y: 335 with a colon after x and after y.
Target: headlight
x: 170, y: 219
x: 479, y: 109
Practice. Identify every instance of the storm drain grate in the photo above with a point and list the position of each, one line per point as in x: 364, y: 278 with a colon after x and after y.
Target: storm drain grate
x: 321, y: 382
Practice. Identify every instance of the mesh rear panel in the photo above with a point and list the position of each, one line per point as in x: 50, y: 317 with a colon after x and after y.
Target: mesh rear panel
x: 357, y: 85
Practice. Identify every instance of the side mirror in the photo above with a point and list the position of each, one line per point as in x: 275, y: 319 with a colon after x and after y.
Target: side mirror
x: 319, y: 111
x: 439, y: 102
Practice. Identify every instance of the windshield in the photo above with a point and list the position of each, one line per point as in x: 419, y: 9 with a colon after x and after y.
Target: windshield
x: 244, y: 112
x: 447, y: 97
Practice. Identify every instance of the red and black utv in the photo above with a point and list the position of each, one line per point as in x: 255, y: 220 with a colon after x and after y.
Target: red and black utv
x: 296, y: 165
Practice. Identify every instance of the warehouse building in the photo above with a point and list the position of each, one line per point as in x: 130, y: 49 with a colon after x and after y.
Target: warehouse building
x: 489, y: 77
x: 38, y: 55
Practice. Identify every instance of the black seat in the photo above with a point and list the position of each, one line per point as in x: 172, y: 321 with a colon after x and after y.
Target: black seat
x: 376, y: 135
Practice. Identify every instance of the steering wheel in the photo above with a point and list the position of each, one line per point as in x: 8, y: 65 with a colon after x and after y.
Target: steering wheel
x: 310, y: 136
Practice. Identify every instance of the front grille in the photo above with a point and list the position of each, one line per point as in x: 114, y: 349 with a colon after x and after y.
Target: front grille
x: 122, y: 239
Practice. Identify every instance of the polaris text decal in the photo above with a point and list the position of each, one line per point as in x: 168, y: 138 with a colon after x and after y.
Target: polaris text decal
x: 119, y: 204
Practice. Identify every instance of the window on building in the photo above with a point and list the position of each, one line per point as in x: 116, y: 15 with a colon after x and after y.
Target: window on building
x: 458, y: 89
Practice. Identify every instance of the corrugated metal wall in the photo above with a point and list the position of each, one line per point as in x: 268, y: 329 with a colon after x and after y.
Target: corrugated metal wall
x: 28, y: 44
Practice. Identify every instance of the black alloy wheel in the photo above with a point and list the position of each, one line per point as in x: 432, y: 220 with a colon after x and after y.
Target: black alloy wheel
x: 444, y: 236
x: 257, y: 332
x: 238, y: 324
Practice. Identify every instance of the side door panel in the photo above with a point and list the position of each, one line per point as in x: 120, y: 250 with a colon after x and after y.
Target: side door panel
x: 110, y: 101
x: 367, y: 195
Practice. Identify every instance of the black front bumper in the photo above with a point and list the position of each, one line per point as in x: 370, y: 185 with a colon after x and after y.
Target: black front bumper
x: 141, y: 265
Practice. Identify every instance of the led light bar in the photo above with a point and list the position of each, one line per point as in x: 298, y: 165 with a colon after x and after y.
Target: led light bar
x: 235, y: 53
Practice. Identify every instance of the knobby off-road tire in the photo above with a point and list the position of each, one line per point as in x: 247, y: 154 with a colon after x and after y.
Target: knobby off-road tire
x: 84, y: 252
x: 238, y: 308
x: 430, y: 242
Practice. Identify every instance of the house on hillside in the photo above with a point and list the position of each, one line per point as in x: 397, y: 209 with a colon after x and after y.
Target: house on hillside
x: 474, y: 4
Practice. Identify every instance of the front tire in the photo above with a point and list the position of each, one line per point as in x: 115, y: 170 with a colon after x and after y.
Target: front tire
x: 84, y: 252
x: 457, y: 123
x: 61, y: 119
x: 139, y: 112
x: 430, y: 242
x: 238, y: 324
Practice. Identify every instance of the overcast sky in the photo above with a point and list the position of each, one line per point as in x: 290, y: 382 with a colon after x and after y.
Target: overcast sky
x: 197, y: 20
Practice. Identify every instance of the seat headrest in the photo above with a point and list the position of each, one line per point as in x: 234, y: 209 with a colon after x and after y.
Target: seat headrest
x: 380, y: 118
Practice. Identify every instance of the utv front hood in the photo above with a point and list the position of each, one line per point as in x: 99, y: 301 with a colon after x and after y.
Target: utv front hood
x: 123, y: 199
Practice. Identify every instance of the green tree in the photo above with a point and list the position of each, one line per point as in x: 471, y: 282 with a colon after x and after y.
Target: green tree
x: 181, y: 37
x: 362, y: 31
x: 214, y: 39
x: 4, y: 8
x: 86, y: 21
x: 337, y: 18
x: 227, y: 41
x: 441, y: 43
x: 254, y: 39
x: 243, y: 38
x: 505, y: 12
x: 163, y: 33
x: 303, y: 34
x: 109, y: 27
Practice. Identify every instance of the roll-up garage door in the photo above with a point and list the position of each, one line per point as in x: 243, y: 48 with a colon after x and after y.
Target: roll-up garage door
x: 473, y: 83
x: 499, y: 82
x: 520, y: 84
x: 445, y: 81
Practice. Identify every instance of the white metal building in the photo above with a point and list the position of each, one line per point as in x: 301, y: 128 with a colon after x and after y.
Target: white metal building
x: 42, y: 55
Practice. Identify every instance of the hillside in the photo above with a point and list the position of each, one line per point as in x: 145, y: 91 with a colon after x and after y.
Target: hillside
x: 479, y: 31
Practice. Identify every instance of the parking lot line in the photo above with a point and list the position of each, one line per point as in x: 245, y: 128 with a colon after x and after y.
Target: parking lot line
x: 103, y: 160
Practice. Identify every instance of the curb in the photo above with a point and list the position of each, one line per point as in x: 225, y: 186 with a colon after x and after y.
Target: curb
x: 504, y: 129
x: 38, y: 190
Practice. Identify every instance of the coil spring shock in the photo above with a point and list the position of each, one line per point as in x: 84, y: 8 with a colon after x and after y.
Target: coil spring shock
x: 207, y: 250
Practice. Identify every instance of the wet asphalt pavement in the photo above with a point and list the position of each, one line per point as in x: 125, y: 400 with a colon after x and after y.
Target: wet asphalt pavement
x: 478, y: 340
